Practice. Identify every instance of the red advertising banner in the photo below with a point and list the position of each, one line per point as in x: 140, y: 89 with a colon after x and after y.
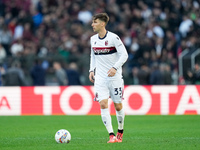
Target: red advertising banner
x: 78, y: 100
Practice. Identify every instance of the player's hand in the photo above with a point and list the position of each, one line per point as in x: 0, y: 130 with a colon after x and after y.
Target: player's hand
x: 91, y: 77
x: 111, y: 72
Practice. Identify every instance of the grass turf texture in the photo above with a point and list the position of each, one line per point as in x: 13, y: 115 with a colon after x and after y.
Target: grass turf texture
x: 88, y: 132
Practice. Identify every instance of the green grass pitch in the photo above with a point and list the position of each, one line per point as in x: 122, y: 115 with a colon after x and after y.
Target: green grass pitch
x: 181, y: 132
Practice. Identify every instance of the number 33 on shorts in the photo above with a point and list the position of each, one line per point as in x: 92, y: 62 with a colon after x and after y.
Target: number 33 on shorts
x: 118, y: 95
x: 118, y: 91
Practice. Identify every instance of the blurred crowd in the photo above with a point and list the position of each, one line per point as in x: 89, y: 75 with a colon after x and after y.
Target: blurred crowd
x: 47, y: 42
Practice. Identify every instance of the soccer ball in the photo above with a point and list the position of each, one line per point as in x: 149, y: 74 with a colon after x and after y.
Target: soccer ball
x: 62, y: 136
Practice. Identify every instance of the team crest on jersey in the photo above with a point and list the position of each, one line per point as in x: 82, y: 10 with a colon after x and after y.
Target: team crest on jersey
x: 106, y: 42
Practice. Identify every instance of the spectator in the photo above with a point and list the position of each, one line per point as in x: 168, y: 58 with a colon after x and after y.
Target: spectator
x: 37, y: 18
x: 156, y: 76
x: 167, y: 74
x: 38, y: 73
x: 85, y: 15
x: 73, y: 74
x: 175, y: 77
x: 185, y: 26
x: 159, y: 47
x: 158, y: 31
x: 17, y: 48
x: 27, y: 33
x: 2, y: 8
x: 6, y: 38
x: 194, y: 76
x: 60, y: 74
x: 143, y: 75
x: 135, y: 76
x: 2, y: 72
x: 18, y: 32
x: 14, y: 76
x: 2, y: 53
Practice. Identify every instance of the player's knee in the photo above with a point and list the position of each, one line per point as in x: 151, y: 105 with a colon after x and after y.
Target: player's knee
x: 103, y: 104
x: 118, y: 107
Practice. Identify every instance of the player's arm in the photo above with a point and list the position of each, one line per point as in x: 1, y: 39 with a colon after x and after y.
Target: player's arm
x: 92, y: 66
x: 121, y: 50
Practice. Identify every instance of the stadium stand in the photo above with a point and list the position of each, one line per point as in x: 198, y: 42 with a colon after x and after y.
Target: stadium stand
x: 161, y: 37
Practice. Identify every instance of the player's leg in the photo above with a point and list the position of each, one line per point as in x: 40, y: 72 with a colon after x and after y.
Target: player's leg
x: 106, y: 118
x: 105, y: 115
x: 116, y: 88
x: 120, y: 119
x: 102, y: 95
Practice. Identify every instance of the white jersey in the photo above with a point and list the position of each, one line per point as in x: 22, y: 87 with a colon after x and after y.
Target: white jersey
x: 106, y: 53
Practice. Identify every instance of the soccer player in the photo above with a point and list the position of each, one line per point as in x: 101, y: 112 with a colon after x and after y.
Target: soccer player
x: 108, y: 54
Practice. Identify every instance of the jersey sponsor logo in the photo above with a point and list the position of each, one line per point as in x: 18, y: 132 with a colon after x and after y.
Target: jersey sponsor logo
x: 104, y: 50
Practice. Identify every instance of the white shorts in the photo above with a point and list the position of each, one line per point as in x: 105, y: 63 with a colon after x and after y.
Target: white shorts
x: 113, y: 89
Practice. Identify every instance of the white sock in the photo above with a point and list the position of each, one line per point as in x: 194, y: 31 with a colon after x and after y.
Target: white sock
x: 106, y: 118
x: 120, y: 118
